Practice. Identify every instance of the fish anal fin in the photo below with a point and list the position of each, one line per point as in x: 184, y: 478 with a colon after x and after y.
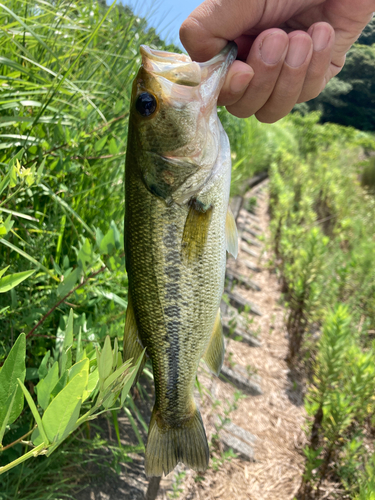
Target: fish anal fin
x: 214, y: 355
x: 133, y: 347
x: 195, y: 233
x: 168, y: 445
x: 231, y: 233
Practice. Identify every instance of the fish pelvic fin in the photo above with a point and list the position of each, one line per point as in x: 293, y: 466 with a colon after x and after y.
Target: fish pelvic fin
x: 214, y: 355
x: 167, y: 446
x: 133, y: 347
x: 231, y: 233
x: 195, y: 233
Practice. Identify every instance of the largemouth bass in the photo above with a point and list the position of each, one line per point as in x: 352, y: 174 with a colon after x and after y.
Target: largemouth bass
x: 178, y: 228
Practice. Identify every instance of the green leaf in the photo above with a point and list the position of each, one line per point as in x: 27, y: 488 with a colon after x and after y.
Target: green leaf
x: 35, y: 413
x: 115, y: 354
x: 92, y: 383
x: 105, y: 361
x: 128, y: 382
x: 116, y: 375
x: 12, y: 280
x: 60, y: 384
x: 46, y: 385
x: 43, y: 370
x: 77, y: 368
x: 99, y: 237
x: 70, y: 426
x: 14, y: 368
x: 68, y: 337
x: 28, y: 257
x: 79, y: 351
x: 111, y: 296
x: 118, y: 237
x: 18, y: 214
x: 39, y: 173
x: 85, y: 254
x: 108, y: 243
x: 113, y: 149
x: 12, y: 176
x: 66, y: 360
x: 99, y: 145
x: 2, y: 271
x: 69, y: 283
x: 8, y: 223
x: 57, y: 417
x: 5, y: 412
x: 4, y: 183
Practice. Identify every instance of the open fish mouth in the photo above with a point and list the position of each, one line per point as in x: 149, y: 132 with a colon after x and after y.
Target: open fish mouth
x: 181, y: 70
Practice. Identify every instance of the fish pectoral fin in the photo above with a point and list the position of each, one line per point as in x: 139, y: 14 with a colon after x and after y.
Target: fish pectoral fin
x: 231, y: 233
x: 214, y: 355
x: 133, y: 347
x: 168, y: 445
x: 195, y: 233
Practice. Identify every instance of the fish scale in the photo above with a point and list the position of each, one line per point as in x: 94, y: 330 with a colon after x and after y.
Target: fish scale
x: 177, y: 225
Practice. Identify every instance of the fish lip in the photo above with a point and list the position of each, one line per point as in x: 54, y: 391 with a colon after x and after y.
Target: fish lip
x: 175, y: 68
x: 213, y: 74
x: 181, y: 70
x: 162, y: 55
x: 229, y: 53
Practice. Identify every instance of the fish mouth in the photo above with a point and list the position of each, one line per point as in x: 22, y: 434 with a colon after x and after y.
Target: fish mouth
x: 181, y: 70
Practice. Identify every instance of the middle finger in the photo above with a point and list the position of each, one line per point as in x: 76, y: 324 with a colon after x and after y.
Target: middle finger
x: 266, y: 57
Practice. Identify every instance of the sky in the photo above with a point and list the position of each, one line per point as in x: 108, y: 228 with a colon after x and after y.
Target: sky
x: 166, y: 16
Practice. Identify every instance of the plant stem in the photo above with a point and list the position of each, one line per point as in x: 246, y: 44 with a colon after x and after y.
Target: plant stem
x: 17, y: 440
x: 92, y: 275
x: 32, y: 453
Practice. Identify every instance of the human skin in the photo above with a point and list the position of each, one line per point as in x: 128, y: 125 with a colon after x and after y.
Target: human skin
x: 288, y: 49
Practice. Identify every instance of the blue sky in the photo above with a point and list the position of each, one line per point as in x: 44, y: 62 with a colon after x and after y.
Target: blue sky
x: 165, y: 15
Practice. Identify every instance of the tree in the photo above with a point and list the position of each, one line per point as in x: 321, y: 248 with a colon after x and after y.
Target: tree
x: 349, y: 99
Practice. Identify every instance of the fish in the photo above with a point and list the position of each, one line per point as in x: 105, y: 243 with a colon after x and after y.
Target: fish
x: 178, y: 229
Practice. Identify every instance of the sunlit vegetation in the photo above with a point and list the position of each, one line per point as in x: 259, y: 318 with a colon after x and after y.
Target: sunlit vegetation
x: 323, y: 235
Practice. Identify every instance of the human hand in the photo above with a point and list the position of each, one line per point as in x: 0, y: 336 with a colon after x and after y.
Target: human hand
x: 288, y: 50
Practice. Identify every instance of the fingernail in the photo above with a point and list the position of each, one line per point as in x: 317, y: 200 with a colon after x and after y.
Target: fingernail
x: 320, y: 37
x: 299, y: 48
x: 239, y: 82
x: 272, y: 48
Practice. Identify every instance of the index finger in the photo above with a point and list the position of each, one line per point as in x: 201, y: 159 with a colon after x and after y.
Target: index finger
x: 212, y: 24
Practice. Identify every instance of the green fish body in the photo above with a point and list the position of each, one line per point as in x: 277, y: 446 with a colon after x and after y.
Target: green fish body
x: 178, y: 229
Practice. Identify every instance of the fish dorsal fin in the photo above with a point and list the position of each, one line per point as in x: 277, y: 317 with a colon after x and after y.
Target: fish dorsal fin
x: 231, y: 233
x: 214, y: 355
x: 132, y: 343
x: 195, y: 233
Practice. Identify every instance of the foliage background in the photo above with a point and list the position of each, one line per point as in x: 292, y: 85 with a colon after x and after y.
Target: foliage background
x: 65, y: 77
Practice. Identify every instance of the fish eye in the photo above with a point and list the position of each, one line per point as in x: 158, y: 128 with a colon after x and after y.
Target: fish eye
x: 145, y: 104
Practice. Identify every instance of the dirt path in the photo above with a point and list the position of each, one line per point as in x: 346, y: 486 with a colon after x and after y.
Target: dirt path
x: 275, y: 417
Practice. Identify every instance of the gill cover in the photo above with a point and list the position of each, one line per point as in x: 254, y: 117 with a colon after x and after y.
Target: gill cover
x: 174, y: 120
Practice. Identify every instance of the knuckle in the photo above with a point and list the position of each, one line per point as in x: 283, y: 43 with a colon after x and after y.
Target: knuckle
x: 189, y: 31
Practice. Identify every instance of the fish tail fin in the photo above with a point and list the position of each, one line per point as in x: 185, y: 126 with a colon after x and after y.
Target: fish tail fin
x: 167, y: 446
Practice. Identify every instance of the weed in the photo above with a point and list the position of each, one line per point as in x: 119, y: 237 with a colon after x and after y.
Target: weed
x: 177, y: 485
